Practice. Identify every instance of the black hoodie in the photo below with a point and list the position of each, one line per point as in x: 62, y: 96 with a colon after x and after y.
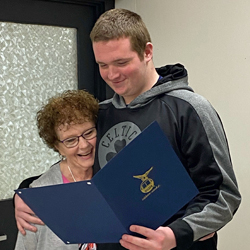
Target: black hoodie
x: 197, y: 136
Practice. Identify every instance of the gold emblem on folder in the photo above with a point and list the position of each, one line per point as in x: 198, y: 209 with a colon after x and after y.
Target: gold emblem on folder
x: 147, y: 183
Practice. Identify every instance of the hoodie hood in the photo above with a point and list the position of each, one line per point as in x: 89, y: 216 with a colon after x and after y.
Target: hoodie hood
x: 172, y: 77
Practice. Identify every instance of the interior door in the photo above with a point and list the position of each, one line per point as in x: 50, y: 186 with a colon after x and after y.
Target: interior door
x: 44, y: 49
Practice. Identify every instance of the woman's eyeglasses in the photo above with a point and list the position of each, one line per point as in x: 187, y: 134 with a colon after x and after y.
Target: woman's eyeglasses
x: 73, y: 141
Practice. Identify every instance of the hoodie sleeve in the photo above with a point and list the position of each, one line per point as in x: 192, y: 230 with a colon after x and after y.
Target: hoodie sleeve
x: 205, y: 151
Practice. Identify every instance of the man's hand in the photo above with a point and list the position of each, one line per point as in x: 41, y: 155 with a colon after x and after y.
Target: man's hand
x: 162, y: 238
x: 24, y: 216
x: 207, y: 237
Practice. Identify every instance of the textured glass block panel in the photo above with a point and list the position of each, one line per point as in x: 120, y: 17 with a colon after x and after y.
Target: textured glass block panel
x: 36, y: 62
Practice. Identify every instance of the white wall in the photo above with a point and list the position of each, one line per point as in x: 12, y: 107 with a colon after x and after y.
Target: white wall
x: 212, y: 39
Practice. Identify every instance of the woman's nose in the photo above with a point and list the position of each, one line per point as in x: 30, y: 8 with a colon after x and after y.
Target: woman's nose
x: 83, y: 142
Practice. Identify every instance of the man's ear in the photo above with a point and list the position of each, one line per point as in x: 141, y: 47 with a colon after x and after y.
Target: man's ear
x: 148, y: 53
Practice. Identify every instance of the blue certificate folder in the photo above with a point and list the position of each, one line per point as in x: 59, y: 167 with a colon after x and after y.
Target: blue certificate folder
x: 144, y: 184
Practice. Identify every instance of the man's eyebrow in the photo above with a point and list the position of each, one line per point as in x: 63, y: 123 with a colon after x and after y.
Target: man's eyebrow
x: 98, y: 62
x: 117, y: 60
x: 122, y: 59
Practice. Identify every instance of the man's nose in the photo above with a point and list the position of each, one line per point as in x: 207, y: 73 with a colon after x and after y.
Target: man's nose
x: 112, y: 73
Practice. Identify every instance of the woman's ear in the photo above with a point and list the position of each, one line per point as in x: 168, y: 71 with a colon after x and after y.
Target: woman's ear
x: 57, y: 147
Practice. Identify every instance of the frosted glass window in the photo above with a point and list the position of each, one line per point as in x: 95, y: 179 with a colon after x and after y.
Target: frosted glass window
x: 36, y: 62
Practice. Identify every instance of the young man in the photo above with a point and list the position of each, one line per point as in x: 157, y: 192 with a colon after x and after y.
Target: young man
x: 143, y: 94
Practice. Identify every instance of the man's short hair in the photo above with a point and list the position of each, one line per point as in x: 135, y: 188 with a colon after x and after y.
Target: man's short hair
x: 122, y: 23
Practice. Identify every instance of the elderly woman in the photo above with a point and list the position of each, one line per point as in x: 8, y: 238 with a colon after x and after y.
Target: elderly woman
x: 67, y: 125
